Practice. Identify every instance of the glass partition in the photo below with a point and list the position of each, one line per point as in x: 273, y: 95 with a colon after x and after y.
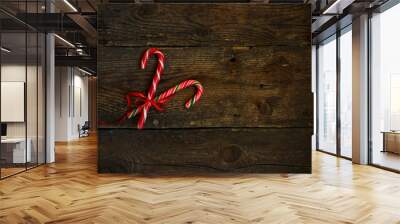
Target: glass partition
x: 41, y: 97
x: 327, y: 95
x: 14, y: 151
x: 385, y: 89
x: 22, y: 88
x: 31, y: 100
x: 346, y: 92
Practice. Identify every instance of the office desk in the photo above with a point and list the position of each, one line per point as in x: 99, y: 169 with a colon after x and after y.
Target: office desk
x: 391, y: 141
x: 15, y: 148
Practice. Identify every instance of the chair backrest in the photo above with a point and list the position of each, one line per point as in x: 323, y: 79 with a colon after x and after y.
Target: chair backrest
x: 86, y: 125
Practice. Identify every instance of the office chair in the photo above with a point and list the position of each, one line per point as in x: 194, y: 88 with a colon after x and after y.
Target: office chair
x: 84, y: 130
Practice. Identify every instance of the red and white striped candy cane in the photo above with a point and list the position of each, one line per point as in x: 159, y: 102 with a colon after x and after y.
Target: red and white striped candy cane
x: 163, y: 98
x: 156, y: 79
x: 160, y: 68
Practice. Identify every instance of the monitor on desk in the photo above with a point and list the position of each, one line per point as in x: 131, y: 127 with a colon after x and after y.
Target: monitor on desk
x: 3, y: 130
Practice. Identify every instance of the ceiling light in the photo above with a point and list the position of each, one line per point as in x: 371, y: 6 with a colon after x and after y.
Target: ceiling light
x: 80, y: 51
x: 70, y: 5
x: 338, y: 6
x: 65, y: 41
x: 5, y: 50
x: 84, y: 71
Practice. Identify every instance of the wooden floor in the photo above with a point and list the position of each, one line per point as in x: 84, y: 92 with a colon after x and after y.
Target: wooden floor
x: 5, y: 172
x: 70, y: 191
x: 387, y: 159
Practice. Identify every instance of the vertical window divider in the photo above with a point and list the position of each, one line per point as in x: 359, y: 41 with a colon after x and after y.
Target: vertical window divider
x: 369, y: 96
x: 317, y: 96
x: 338, y: 100
x: 26, y: 86
x: 46, y: 35
x: 37, y: 89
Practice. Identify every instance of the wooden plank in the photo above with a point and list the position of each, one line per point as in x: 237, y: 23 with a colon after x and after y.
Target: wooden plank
x: 204, y: 25
x: 254, y: 63
x: 244, y: 86
x: 260, y: 150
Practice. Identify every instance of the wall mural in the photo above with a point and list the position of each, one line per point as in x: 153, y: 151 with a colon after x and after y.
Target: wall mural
x: 251, y: 61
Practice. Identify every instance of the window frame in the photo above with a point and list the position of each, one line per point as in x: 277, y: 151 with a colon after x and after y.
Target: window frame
x: 337, y: 35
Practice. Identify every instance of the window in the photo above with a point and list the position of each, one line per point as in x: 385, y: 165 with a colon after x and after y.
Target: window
x: 346, y: 92
x: 326, y: 92
x: 333, y: 106
x: 22, y: 77
x: 385, y: 89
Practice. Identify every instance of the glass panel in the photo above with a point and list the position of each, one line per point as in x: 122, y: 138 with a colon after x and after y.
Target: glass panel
x: 32, y: 90
x: 41, y: 98
x: 31, y: 100
x: 346, y: 94
x: 385, y: 84
x: 314, y: 90
x: 327, y: 96
x: 13, y: 90
x: 23, y: 89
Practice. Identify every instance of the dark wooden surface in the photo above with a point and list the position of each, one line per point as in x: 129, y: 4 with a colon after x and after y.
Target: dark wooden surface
x: 254, y: 61
x: 244, y: 87
x: 258, y: 150
x: 204, y: 25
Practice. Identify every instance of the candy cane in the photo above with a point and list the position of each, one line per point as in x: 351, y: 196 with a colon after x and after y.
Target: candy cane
x: 156, y: 79
x: 160, y: 68
x: 163, y: 98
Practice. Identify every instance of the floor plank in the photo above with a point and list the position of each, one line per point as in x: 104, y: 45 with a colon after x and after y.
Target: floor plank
x: 71, y: 191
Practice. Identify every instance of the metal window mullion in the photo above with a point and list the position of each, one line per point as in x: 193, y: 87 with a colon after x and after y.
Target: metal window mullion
x: 37, y: 91
x: 45, y: 89
x: 317, y: 96
x: 338, y: 93
x: 26, y: 87
x: 369, y: 95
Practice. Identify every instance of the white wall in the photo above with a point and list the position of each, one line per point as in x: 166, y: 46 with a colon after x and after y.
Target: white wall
x: 71, y: 102
x: 33, y: 127
x: 81, y: 103
x: 12, y: 73
x: 62, y: 81
x: 16, y: 73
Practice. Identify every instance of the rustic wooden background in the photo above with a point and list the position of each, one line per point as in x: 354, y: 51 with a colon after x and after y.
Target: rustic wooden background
x: 254, y: 61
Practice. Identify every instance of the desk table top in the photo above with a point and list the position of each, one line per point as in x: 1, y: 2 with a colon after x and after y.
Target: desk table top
x: 13, y: 140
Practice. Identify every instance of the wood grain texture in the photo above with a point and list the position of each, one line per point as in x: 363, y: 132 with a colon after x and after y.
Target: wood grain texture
x: 204, y: 25
x: 244, y: 87
x: 71, y: 191
x: 205, y: 150
x: 253, y: 61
